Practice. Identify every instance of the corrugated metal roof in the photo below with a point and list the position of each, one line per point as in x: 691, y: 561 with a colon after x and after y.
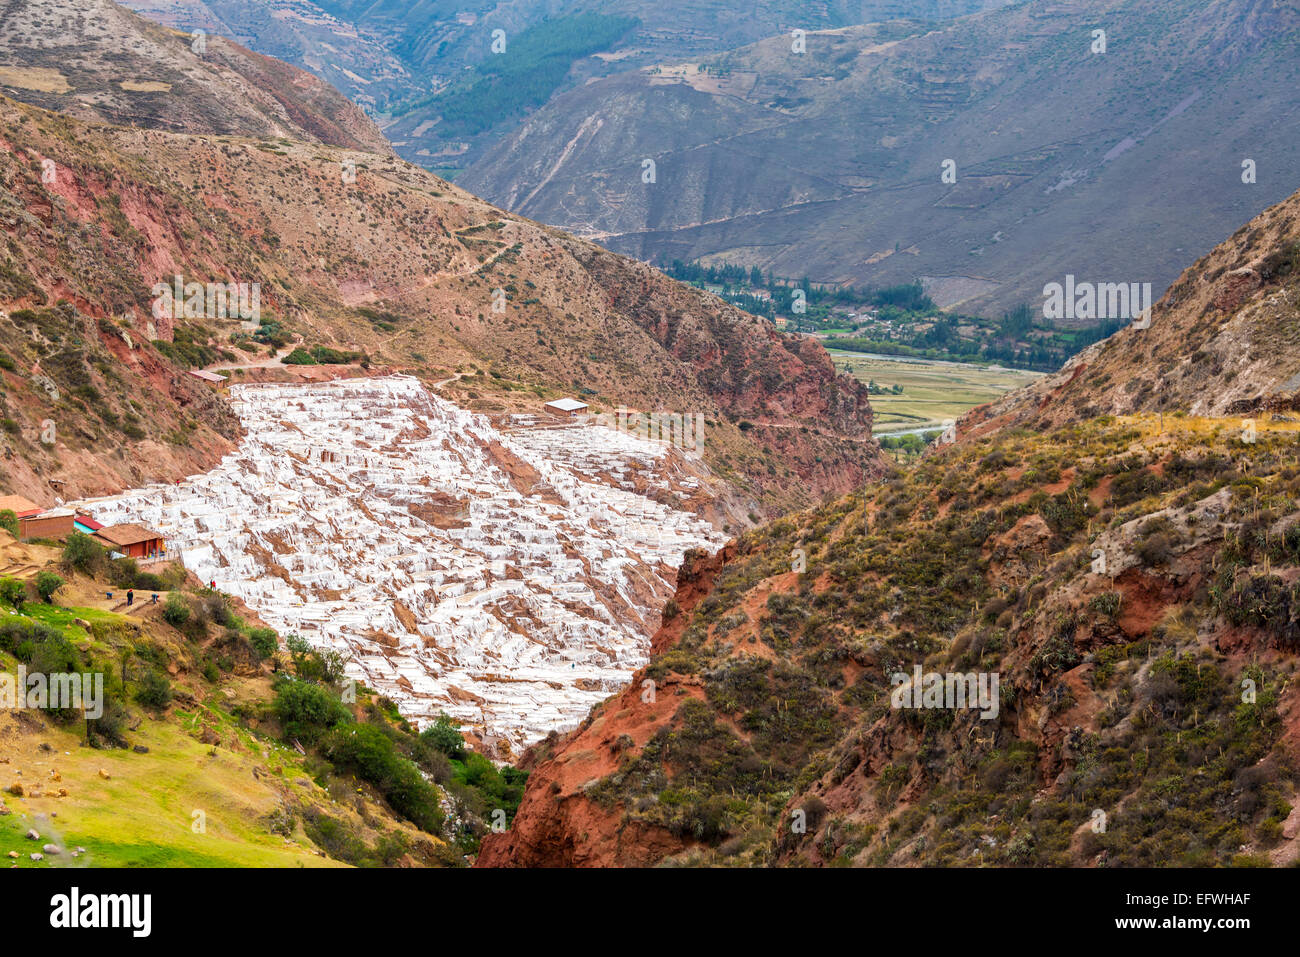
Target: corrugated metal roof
x: 566, y: 405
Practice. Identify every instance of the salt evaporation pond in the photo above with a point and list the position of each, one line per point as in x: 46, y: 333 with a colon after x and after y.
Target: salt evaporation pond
x: 511, y: 579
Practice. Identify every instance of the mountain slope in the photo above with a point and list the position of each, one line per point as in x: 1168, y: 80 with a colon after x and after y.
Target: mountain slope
x: 98, y: 61
x: 1224, y: 340
x: 191, y: 752
x: 296, y: 32
x: 1110, y: 166
x: 767, y: 730
x: 395, y: 266
x: 412, y: 62
x: 581, y: 40
x: 1131, y: 580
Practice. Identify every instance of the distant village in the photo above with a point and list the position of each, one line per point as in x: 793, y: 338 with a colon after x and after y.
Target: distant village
x: 899, y: 320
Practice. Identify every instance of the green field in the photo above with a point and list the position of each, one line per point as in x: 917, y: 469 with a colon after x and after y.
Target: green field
x: 932, y: 391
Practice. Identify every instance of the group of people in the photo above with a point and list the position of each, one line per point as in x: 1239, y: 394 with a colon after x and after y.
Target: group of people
x: 130, y: 594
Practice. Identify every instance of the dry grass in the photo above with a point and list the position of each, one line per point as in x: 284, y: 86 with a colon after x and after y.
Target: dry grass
x: 38, y: 78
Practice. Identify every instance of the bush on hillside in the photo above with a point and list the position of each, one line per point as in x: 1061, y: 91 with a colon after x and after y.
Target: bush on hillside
x: 155, y: 691
x: 312, y: 665
x: 264, y: 641
x: 307, y: 710
x: 13, y: 592
x: 47, y: 583
x: 176, y: 610
x: 444, y: 735
x: 82, y: 553
x: 372, y: 756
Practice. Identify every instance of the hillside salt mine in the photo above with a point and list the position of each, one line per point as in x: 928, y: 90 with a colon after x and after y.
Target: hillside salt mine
x: 510, y: 577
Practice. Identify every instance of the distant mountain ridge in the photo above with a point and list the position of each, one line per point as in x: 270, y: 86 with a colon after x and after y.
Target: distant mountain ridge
x: 1117, y: 166
x: 392, y: 55
x: 1224, y: 340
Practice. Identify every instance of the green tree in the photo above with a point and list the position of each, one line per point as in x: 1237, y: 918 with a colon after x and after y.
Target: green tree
x: 312, y: 665
x: 176, y: 610
x: 83, y: 553
x: 13, y: 592
x: 264, y: 641
x: 47, y: 583
x: 444, y: 735
x: 307, y: 710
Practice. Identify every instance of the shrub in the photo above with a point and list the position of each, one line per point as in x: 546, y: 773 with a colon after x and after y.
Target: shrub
x: 13, y: 592
x: 47, y: 583
x: 53, y: 654
x: 264, y: 641
x: 20, y: 637
x: 9, y: 521
x: 299, y: 357
x: 372, y: 756
x: 217, y: 609
x: 1106, y: 604
x: 83, y: 553
x: 1156, y: 542
x: 444, y: 736
x: 155, y: 691
x: 109, y: 726
x: 176, y: 610
x: 307, y: 710
x: 147, y: 581
x: 312, y: 665
x: 122, y: 573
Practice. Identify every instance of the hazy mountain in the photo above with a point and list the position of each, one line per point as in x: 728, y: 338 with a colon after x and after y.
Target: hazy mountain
x: 298, y: 32
x: 1120, y: 166
x: 425, y: 65
x: 1224, y: 341
x: 97, y: 61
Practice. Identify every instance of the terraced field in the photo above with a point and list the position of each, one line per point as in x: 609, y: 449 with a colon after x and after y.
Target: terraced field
x: 932, y: 391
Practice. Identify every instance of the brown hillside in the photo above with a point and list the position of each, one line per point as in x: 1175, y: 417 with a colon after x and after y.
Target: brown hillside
x: 393, y: 265
x: 1120, y: 688
x: 98, y: 61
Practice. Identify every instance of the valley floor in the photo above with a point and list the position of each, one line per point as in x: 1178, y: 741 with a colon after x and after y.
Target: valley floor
x: 933, y: 391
